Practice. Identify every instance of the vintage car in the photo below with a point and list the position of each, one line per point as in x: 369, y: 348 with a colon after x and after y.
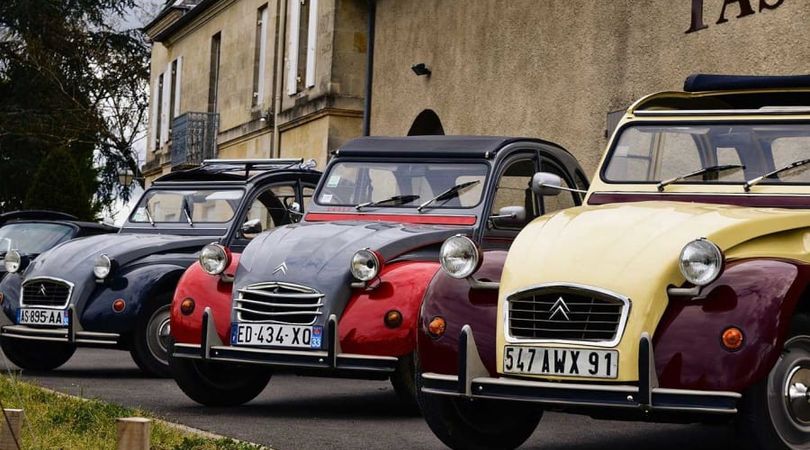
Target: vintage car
x: 31, y: 232
x: 339, y: 293
x: 114, y: 290
x: 678, y: 292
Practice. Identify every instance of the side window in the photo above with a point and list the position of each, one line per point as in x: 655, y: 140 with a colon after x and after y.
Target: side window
x: 269, y: 210
x: 514, y: 189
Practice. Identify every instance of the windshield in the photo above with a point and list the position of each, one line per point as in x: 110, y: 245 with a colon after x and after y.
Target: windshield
x: 402, y: 184
x: 177, y: 206
x: 715, y: 153
x: 32, y: 238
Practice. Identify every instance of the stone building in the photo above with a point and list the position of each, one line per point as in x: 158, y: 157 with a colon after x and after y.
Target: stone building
x: 254, y: 79
x: 557, y: 69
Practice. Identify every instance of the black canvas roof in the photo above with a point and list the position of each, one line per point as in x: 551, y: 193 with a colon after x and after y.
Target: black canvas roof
x: 428, y: 146
x: 712, y: 82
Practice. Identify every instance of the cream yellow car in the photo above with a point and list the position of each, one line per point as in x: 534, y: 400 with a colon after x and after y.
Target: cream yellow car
x: 678, y: 292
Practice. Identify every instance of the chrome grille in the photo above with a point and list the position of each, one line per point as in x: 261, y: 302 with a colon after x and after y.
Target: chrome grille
x: 567, y: 313
x: 50, y: 293
x: 277, y: 302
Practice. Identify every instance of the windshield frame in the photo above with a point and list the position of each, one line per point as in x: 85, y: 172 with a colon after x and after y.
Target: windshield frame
x: 410, y: 208
x: 694, y: 121
x: 182, y: 223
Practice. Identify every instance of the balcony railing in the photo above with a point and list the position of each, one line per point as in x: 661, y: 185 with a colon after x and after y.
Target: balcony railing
x: 194, y: 138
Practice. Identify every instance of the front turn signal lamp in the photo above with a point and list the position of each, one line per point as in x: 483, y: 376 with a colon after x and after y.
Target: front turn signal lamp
x: 187, y: 306
x: 732, y: 338
x: 437, y: 327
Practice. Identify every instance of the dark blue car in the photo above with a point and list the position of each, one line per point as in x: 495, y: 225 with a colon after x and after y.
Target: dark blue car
x: 115, y: 290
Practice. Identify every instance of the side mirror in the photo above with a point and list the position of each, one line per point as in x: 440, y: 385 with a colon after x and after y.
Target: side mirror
x: 546, y: 184
x: 251, y: 228
x: 510, y: 217
x: 295, y: 212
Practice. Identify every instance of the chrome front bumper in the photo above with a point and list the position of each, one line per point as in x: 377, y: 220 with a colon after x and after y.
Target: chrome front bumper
x: 332, y: 359
x: 72, y: 334
x: 475, y: 382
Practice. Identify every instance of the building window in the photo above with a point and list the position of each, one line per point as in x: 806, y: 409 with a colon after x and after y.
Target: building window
x: 158, y: 111
x: 302, y: 45
x: 213, y: 74
x: 260, y: 57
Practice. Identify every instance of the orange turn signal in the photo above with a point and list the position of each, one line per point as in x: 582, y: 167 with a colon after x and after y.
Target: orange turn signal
x: 187, y: 306
x: 732, y: 338
x: 119, y: 304
x: 437, y: 327
x: 393, y: 318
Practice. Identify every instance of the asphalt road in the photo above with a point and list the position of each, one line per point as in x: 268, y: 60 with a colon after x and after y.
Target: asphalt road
x: 317, y: 413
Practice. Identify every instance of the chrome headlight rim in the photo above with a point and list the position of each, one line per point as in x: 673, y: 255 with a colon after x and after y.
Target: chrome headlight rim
x: 102, y: 266
x: 365, y: 264
x: 214, y: 259
x: 471, y: 263
x: 711, y: 251
x: 13, y: 265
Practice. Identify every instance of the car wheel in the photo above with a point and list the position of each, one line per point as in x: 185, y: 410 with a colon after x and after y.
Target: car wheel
x: 218, y: 384
x: 36, y: 355
x: 404, y: 382
x: 775, y: 413
x: 150, y: 345
x: 464, y: 424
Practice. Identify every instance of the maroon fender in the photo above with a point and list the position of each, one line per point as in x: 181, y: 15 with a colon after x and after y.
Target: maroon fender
x: 401, y: 287
x: 758, y: 296
x: 206, y: 291
x: 460, y: 305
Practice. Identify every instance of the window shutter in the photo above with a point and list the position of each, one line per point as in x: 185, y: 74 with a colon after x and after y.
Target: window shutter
x: 292, y: 47
x: 178, y: 84
x: 312, y: 40
x: 164, y: 109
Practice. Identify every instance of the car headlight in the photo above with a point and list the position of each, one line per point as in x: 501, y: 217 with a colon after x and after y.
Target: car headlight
x: 365, y: 265
x: 13, y: 261
x: 701, y: 262
x: 459, y: 256
x: 102, y: 266
x: 214, y: 259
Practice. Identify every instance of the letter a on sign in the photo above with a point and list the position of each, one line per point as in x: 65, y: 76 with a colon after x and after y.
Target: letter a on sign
x: 745, y: 9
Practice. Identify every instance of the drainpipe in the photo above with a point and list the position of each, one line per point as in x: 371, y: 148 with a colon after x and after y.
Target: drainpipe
x: 281, y: 39
x: 372, y: 19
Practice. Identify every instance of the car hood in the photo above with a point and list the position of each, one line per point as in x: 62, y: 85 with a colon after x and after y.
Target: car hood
x: 632, y: 249
x: 317, y: 255
x: 73, y: 260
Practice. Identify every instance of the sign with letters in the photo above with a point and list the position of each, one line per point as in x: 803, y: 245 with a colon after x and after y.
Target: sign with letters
x: 743, y: 7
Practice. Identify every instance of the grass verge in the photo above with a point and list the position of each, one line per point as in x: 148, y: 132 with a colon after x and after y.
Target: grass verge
x: 54, y: 421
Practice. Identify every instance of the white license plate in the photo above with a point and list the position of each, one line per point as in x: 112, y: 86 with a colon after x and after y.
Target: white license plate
x: 563, y: 362
x: 38, y: 316
x: 276, y: 335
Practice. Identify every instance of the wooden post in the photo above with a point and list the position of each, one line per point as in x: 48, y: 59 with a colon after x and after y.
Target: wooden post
x: 134, y: 433
x: 14, y: 425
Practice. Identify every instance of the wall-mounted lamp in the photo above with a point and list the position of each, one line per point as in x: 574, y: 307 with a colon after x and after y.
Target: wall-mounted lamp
x: 420, y: 69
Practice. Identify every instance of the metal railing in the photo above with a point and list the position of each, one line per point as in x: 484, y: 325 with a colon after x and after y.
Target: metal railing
x: 194, y: 138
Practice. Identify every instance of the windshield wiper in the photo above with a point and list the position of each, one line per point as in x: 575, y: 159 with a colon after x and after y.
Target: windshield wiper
x: 395, y: 200
x: 448, y: 194
x: 705, y: 170
x: 188, y: 215
x: 748, y: 184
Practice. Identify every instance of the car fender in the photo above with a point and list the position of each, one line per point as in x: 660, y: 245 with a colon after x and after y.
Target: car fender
x: 138, y: 287
x: 460, y: 304
x: 207, y: 291
x: 401, y: 286
x: 758, y: 296
x: 10, y: 290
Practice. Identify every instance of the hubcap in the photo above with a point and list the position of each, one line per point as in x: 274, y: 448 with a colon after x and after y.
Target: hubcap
x: 796, y: 395
x: 788, y: 398
x: 157, y: 334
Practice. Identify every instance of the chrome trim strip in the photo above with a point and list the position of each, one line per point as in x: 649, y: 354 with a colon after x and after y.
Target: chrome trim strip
x: 52, y: 279
x: 273, y: 294
x: 767, y: 111
x: 283, y: 305
x: 627, y: 305
x: 286, y: 313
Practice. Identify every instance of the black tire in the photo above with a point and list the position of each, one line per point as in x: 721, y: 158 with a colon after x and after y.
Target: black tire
x: 768, y: 418
x: 36, y: 355
x: 217, y: 384
x: 463, y: 424
x: 404, y: 382
x: 150, y: 339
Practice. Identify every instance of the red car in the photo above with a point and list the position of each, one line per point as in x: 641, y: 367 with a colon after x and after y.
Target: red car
x: 341, y: 291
